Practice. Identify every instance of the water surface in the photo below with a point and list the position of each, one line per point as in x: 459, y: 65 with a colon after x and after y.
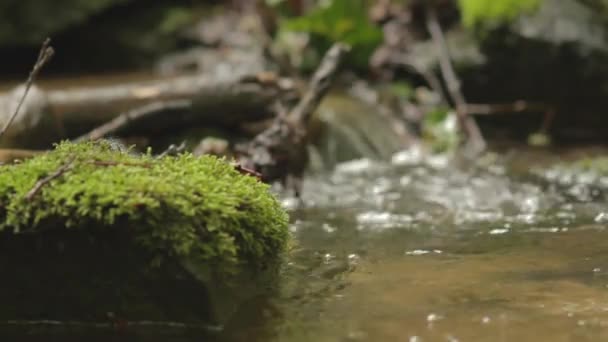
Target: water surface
x: 422, y: 249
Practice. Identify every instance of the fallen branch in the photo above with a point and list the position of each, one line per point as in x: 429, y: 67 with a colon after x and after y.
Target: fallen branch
x: 46, y: 52
x: 214, y: 100
x: 467, y: 123
x: 279, y: 152
x: 219, y: 101
x: 125, y: 119
x: 319, y: 84
x: 39, y: 184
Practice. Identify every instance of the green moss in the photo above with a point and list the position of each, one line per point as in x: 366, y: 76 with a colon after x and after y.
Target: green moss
x: 201, y: 209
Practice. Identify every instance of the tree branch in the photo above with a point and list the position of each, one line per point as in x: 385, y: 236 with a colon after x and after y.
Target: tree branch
x: 45, y: 54
x: 467, y: 124
x: 319, y: 84
x: 126, y: 118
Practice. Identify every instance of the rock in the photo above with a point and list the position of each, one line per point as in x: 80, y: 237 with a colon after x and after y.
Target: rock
x: 146, y: 238
x: 555, y: 55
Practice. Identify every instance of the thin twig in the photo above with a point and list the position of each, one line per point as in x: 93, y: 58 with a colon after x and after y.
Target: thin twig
x: 279, y: 152
x: 46, y: 52
x: 39, y: 184
x: 126, y: 118
x: 519, y: 106
x: 173, y: 150
x: 467, y: 124
x: 319, y: 84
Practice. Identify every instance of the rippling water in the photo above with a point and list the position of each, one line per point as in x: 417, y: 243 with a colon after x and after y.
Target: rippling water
x: 420, y: 249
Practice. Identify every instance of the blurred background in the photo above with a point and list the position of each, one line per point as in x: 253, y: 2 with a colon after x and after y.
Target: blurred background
x: 536, y: 69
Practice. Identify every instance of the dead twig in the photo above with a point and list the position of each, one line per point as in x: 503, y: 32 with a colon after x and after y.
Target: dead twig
x: 467, y: 123
x: 245, y: 171
x: 516, y: 107
x: 279, y: 152
x: 173, y: 150
x: 46, y: 52
x: 319, y: 84
x: 126, y: 118
x: 39, y: 184
x: 519, y: 106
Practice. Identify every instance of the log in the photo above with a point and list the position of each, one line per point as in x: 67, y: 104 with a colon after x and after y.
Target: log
x: 224, y: 102
x: 216, y: 101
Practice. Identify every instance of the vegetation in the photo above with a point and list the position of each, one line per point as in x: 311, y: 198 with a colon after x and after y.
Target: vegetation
x: 476, y: 12
x: 198, y: 208
x: 339, y: 21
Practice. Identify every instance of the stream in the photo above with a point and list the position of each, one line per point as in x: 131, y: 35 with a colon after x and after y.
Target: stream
x: 404, y: 246
x: 424, y: 249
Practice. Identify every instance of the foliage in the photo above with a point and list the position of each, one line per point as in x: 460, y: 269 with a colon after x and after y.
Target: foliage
x: 539, y: 139
x: 197, y: 208
x: 403, y: 90
x: 440, y: 130
x: 340, y: 20
x: 476, y: 12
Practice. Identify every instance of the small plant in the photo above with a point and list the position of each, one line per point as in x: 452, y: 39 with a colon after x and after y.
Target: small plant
x: 440, y: 130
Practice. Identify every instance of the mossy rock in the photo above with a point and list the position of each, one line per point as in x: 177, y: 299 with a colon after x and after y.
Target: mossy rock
x: 144, y: 227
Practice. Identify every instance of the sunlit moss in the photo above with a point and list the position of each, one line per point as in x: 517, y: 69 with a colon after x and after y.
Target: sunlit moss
x: 199, y: 208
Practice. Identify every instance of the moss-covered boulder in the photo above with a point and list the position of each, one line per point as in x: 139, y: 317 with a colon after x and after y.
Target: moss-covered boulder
x: 88, y: 229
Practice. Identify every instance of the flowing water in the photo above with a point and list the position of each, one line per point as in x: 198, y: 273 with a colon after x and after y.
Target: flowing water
x: 422, y: 249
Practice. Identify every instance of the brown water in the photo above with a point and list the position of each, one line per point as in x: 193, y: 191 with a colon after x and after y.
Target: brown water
x: 427, y: 252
